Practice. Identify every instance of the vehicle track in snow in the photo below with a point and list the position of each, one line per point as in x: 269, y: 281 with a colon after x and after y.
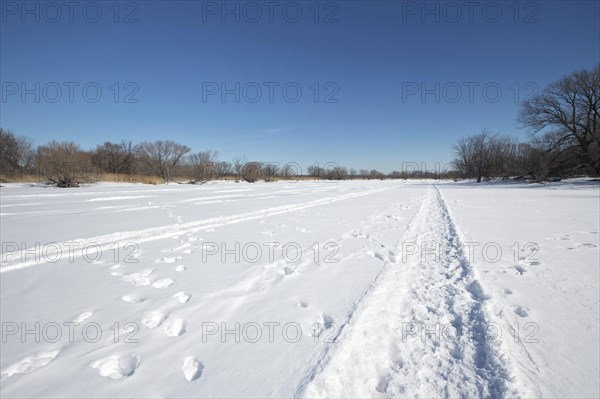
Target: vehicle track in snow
x: 382, y: 351
x: 19, y: 260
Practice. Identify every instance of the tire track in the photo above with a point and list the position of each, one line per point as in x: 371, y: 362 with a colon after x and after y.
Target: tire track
x: 19, y: 260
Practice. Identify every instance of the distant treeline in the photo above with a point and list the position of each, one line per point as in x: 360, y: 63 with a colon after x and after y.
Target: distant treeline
x: 563, y: 120
x: 67, y: 165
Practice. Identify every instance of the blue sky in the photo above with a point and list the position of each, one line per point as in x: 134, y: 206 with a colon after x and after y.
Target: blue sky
x: 389, y: 71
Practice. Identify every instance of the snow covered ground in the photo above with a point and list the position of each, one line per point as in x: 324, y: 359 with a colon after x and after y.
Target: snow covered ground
x: 357, y: 288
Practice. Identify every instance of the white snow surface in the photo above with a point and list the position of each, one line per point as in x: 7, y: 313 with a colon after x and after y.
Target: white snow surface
x: 301, y: 289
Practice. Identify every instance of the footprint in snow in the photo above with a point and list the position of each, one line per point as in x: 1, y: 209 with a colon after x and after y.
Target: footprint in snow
x: 325, y: 324
x: 286, y: 271
x: 520, y: 311
x: 508, y: 291
x: 327, y: 321
x: 30, y: 363
x: 117, y: 366
x: 154, y: 319
x: 379, y: 256
x: 182, y: 296
x: 303, y: 304
x: 140, y: 279
x: 392, y: 255
x: 174, y: 327
x: 192, y: 368
x: 132, y: 299
x: 163, y: 283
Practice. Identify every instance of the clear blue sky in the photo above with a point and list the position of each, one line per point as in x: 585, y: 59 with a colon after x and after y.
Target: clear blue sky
x: 373, y: 57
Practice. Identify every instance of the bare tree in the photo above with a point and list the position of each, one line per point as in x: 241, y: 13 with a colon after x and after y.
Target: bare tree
x: 481, y: 155
x: 315, y: 171
x: 375, y: 174
x: 352, y: 173
x: 568, y: 108
x: 269, y: 171
x: 337, y: 173
x: 251, y: 171
x: 224, y: 168
x: 118, y: 158
x: 203, y: 165
x: 464, y: 160
x: 503, y: 156
x: 546, y: 159
x: 290, y: 170
x: 238, y: 165
x: 475, y: 155
x: 25, y: 153
x: 162, y: 157
x: 65, y: 164
x: 16, y: 153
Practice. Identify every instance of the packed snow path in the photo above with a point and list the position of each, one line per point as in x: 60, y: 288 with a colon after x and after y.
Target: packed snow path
x: 422, y: 330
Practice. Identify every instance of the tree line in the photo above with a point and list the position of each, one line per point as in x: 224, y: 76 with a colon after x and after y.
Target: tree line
x: 563, y: 121
x: 564, y: 125
x: 66, y: 164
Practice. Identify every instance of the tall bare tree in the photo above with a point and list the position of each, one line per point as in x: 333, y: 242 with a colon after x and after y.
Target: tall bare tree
x: 568, y: 109
x: 162, y: 157
x: 238, y: 165
x: 476, y: 155
x: 203, y: 165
